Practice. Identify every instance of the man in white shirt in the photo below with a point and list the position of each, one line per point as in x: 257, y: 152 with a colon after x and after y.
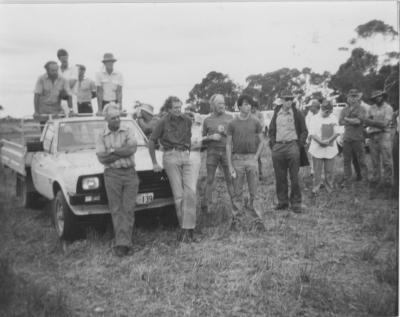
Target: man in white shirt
x: 313, y: 109
x: 109, y: 83
x: 85, y: 90
x: 323, y: 132
x: 69, y: 73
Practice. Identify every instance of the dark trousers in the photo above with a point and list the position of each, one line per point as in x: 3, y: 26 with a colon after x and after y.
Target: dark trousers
x: 395, y: 155
x: 354, y: 149
x: 85, y: 107
x: 286, y: 158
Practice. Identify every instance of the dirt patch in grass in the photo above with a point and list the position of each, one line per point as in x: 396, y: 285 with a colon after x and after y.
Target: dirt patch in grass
x: 337, y: 258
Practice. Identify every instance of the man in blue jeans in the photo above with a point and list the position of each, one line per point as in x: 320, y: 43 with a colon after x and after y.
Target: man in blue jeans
x: 287, y: 137
x: 174, y: 133
x: 244, y: 145
x: 214, y: 136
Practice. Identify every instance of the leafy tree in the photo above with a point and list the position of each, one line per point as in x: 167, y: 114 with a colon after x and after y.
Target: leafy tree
x: 213, y: 83
x: 375, y: 27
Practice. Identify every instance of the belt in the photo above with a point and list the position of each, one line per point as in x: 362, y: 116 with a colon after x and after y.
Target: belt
x: 180, y: 149
x: 285, y: 142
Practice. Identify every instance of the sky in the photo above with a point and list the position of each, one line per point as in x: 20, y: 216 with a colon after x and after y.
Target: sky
x: 164, y: 49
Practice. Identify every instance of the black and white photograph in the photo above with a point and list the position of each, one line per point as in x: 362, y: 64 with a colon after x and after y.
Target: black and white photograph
x: 216, y: 158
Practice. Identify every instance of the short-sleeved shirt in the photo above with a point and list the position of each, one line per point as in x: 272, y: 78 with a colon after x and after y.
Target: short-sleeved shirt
x: 49, y: 93
x: 244, y: 135
x: 317, y: 123
x: 108, y: 140
x: 173, y: 132
x: 84, y: 89
x: 109, y: 83
x: 285, y: 126
x: 70, y: 74
x: 383, y: 113
x: 353, y: 132
x: 216, y: 124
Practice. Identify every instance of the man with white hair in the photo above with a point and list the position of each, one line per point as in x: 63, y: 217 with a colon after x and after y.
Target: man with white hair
x: 115, y: 149
x: 214, y: 133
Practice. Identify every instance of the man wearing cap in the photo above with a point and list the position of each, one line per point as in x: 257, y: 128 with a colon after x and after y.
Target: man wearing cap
x: 49, y: 90
x: 379, y: 118
x: 85, y: 90
x: 323, y: 131
x: 353, y: 117
x: 288, y: 135
x: 115, y: 149
x: 109, y: 83
x: 214, y: 133
x: 174, y: 133
x: 146, y: 119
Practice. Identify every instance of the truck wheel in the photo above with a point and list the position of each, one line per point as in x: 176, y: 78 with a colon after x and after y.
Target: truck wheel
x: 65, y: 221
x: 28, y: 199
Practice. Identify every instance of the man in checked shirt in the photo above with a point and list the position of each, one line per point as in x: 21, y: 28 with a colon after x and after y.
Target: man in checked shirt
x: 115, y: 149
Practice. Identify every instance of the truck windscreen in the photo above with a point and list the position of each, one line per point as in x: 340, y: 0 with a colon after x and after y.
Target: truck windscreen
x: 82, y: 135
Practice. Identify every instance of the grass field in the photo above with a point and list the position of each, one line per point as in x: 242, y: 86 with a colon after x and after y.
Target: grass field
x: 337, y: 258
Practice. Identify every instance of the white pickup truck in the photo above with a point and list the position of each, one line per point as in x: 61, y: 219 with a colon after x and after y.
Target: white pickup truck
x: 62, y: 166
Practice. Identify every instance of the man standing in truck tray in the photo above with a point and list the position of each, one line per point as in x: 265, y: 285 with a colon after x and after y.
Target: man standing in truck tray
x: 214, y: 135
x: 109, y: 83
x: 174, y: 133
x: 85, y: 90
x: 115, y: 148
x: 49, y: 90
x: 68, y: 72
x: 379, y: 119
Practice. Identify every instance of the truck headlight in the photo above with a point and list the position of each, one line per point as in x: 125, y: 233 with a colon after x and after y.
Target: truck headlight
x: 89, y: 183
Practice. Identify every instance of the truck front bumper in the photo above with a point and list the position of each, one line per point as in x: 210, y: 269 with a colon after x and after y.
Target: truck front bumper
x: 102, y: 208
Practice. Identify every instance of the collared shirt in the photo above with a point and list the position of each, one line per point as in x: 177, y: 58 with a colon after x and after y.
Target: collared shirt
x: 49, y: 93
x: 83, y: 90
x: 383, y: 113
x: 109, y: 83
x: 317, y: 124
x: 109, y: 140
x: 173, y: 132
x: 353, y: 132
x: 216, y: 124
x: 285, y: 127
x: 70, y: 74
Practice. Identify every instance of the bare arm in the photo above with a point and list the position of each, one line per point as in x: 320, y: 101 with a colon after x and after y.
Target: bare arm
x: 260, y: 145
x: 107, y: 158
x: 126, y: 150
x: 36, y: 103
x: 119, y: 96
x: 100, y: 98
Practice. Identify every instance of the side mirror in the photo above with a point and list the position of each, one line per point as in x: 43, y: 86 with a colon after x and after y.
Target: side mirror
x: 34, y: 146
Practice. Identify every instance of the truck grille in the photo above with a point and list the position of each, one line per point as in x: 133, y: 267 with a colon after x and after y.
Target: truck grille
x: 157, y: 183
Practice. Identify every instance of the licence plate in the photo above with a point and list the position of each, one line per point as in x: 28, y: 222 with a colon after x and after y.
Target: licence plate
x: 145, y: 198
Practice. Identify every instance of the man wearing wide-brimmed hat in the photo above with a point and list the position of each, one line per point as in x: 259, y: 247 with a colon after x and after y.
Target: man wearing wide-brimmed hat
x: 109, y: 83
x: 353, y: 117
x: 146, y: 118
x: 378, y: 120
x: 115, y: 148
x: 287, y: 137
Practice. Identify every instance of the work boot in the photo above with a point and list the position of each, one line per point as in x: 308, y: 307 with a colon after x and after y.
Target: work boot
x: 120, y: 250
x: 281, y: 206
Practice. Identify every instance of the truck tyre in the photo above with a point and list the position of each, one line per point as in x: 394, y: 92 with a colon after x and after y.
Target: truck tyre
x: 65, y: 221
x: 28, y: 199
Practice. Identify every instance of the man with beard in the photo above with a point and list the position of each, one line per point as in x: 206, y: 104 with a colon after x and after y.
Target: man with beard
x: 115, y: 149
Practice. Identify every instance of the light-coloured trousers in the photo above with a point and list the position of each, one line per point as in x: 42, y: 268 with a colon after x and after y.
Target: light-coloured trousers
x: 183, y: 170
x: 246, y: 167
x: 328, y: 166
x: 122, y: 185
x: 380, y: 148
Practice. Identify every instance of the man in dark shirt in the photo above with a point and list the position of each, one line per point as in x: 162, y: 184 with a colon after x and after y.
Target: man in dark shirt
x: 214, y: 133
x: 174, y: 133
x: 287, y: 137
x: 352, y: 117
x: 243, y: 148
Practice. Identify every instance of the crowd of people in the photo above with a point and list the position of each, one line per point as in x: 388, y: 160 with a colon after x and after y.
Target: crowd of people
x: 234, y: 143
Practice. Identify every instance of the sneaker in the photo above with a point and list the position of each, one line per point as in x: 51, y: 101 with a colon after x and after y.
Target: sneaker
x: 281, y: 206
